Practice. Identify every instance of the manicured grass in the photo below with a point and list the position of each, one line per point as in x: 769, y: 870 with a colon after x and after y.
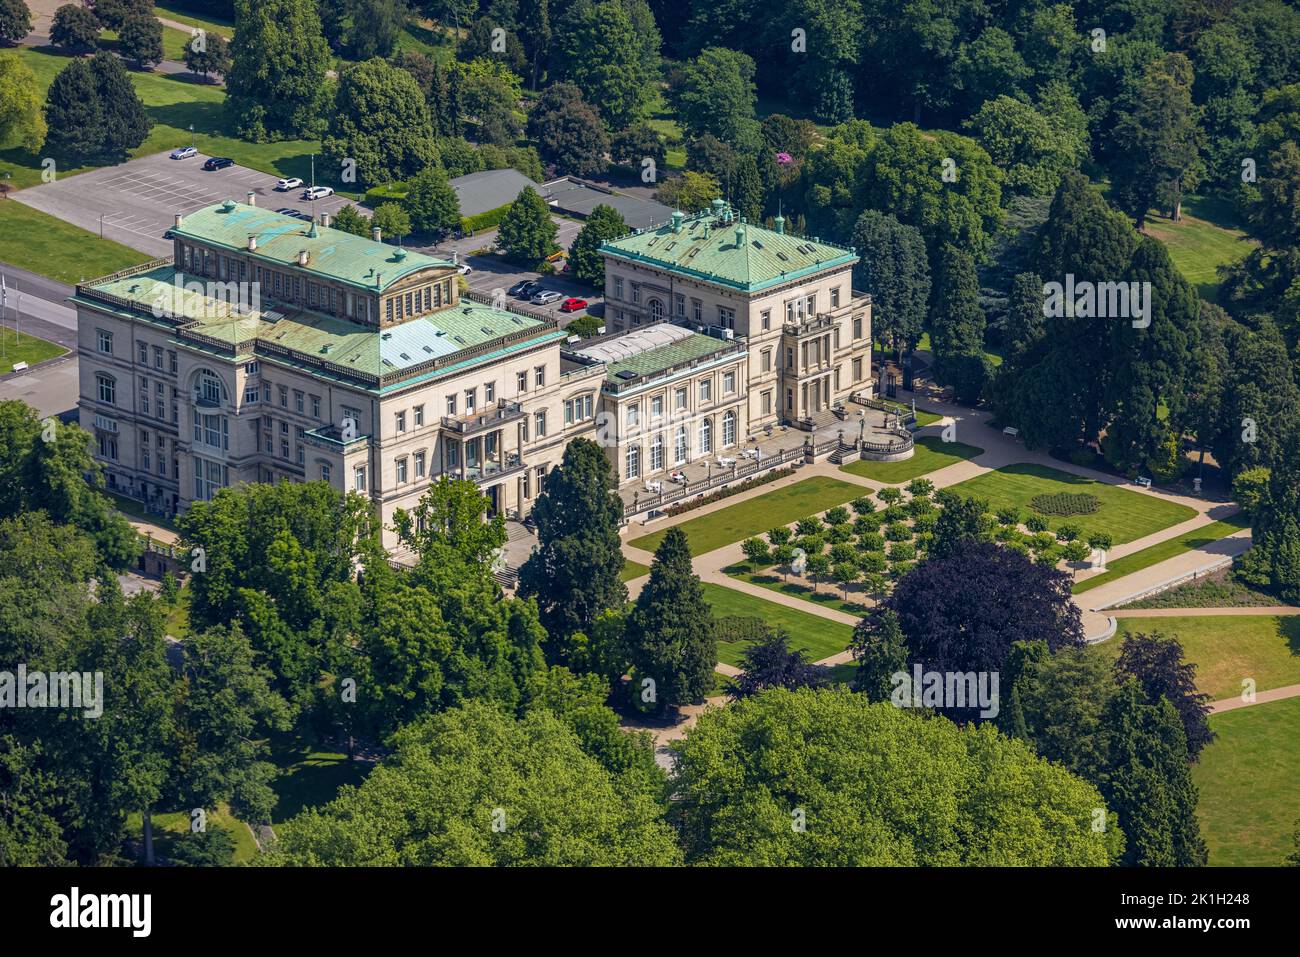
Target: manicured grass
x: 828, y: 594
x: 41, y: 243
x: 928, y: 455
x: 1201, y: 241
x: 1124, y: 514
x: 171, y: 827
x: 173, y: 104
x: 778, y: 507
x: 311, y: 776
x: 923, y: 345
x: 21, y: 347
x: 213, y: 24
x: 1188, y: 541
x: 134, y: 508
x: 1227, y: 649
x: 632, y: 570
x: 817, y: 636
x: 174, y: 42
x: 1250, y: 792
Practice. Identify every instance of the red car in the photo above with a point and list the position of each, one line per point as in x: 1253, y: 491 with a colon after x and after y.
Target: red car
x: 573, y: 305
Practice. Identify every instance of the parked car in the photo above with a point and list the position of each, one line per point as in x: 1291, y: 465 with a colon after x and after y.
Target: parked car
x: 525, y: 289
x: 545, y: 298
x: 184, y: 153
x: 573, y: 305
x: 317, y: 192
x: 284, y: 185
x: 464, y: 269
x: 218, y: 162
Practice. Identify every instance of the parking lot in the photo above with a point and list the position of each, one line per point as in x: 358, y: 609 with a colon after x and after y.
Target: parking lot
x: 135, y: 203
x: 491, y: 273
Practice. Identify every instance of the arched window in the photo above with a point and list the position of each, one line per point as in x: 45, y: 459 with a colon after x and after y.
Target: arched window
x: 729, y: 430
x: 208, y: 388
x: 633, y: 461
x: 656, y: 310
x: 706, y: 436
x: 107, y: 387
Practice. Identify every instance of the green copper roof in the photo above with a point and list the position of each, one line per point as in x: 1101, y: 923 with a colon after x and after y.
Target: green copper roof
x: 332, y: 253
x: 717, y: 247
x: 320, y: 337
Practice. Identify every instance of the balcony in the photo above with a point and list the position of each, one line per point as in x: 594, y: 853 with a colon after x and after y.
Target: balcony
x: 330, y: 438
x: 492, y: 471
x: 503, y: 413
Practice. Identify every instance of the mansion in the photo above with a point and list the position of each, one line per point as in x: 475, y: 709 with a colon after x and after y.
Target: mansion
x: 267, y: 348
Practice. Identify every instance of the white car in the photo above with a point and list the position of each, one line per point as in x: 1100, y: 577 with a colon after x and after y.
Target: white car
x: 546, y: 298
x: 464, y: 269
x: 184, y: 153
x: 317, y: 192
x: 292, y: 182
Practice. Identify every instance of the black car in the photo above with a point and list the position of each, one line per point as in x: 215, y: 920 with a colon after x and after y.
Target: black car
x: 525, y: 289
x: 218, y: 162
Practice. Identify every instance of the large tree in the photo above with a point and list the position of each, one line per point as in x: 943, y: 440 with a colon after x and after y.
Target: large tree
x: 124, y: 122
x: 893, y: 266
x: 140, y: 39
x: 1274, y: 560
x: 957, y: 324
x: 604, y: 223
x: 208, y: 54
x: 1158, y: 665
x: 15, y: 21
x: 827, y: 778
x: 275, y: 87
x: 568, y: 131
x: 574, y: 573
x: 670, y: 630
x: 22, y: 119
x: 716, y: 95
x: 609, y: 50
x: 381, y: 122
x: 432, y: 203
x: 490, y: 790
x: 74, y: 29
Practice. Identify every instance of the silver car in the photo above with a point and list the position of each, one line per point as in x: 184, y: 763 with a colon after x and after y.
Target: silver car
x: 546, y: 297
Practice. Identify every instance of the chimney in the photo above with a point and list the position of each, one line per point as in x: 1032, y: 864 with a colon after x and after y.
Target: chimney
x: 376, y: 234
x: 303, y: 256
x: 780, y: 224
x: 252, y: 243
x: 179, y: 219
x: 324, y: 219
x: 678, y: 216
x: 740, y: 235
x: 252, y: 198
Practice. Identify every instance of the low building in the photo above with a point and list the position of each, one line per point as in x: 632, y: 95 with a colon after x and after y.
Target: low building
x: 577, y: 197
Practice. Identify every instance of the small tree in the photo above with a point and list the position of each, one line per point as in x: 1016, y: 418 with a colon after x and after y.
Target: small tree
x: 604, y: 223
x: 75, y: 29
x: 350, y: 220
x: 1076, y: 552
x: 207, y: 53
x: 756, y: 551
x: 779, y: 536
x: 846, y: 573
x: 15, y: 20
x: 889, y: 495
x: 431, y: 202
x: 819, y: 567
x: 783, y: 555
x: 392, y: 221
x: 527, y: 233
x: 140, y: 39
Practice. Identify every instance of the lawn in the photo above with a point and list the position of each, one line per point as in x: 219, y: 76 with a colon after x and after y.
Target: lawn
x: 1250, y: 792
x: 1188, y: 541
x: 745, y: 519
x: 632, y: 570
x: 30, y: 239
x: 1228, y: 648
x: 174, y: 42
x: 928, y: 455
x: 827, y: 595
x: 1124, y: 514
x: 173, y: 104
x: 1201, y: 242
x: 20, y: 347
x: 213, y: 24
x: 134, y: 508
x: 168, y: 828
x: 813, y: 634
x: 309, y: 775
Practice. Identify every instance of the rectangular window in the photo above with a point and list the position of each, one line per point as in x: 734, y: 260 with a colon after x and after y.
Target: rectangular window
x: 157, y: 357
x: 728, y: 383
x: 451, y: 405
x: 857, y: 327
x: 419, y: 461
x: 521, y: 381
x: 618, y: 287
x: 251, y: 394
x: 679, y: 403
x: 539, y: 423
x: 706, y: 390
x: 539, y: 376
x: 767, y: 360
x: 143, y: 353
x: 489, y: 392
x: 766, y: 316
x: 656, y: 407
x: 401, y: 470
x: 418, y: 413
x: 835, y: 298
x: 359, y: 478
x: 767, y: 402
x: 400, y: 419
x: 284, y: 397
x: 299, y: 402
x: 105, y: 341
x: 471, y: 400
x: 171, y: 359
x: 697, y: 310
x: 633, y: 415
x: 324, y: 472
x: 857, y: 370
x: 315, y: 407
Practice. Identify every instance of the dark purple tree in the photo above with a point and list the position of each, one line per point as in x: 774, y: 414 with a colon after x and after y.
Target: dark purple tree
x: 770, y: 662
x: 963, y: 611
x: 1158, y: 665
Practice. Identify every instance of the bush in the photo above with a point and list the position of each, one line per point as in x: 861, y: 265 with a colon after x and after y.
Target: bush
x: 1042, y: 541
x: 732, y: 628
x: 808, y: 526
x: 899, y: 569
x: 1068, y: 532
x: 1009, y: 516
x: 843, y: 553
x: 921, y: 506
x: 1009, y: 534
x: 487, y: 220
x: 871, y: 542
x: 873, y: 562
x: 836, y: 516
x: 1065, y: 503
x: 863, y: 506
x: 1036, y: 523
x: 839, y: 533
x: 779, y: 536
x: 889, y: 495
x: 1084, y: 457
x: 902, y: 552
x: 925, y: 523
x: 895, y: 513
x: 920, y: 488
x: 864, y: 524
x: 388, y: 193
x: 898, y: 532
